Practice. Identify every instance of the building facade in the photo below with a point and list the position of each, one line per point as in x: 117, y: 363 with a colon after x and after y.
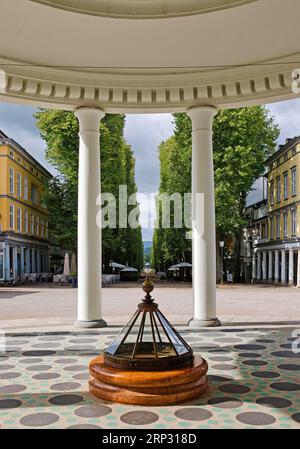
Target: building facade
x: 276, y: 226
x: 23, y: 217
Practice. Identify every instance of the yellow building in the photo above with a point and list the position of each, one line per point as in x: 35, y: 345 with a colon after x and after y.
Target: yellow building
x: 23, y: 217
x: 276, y: 257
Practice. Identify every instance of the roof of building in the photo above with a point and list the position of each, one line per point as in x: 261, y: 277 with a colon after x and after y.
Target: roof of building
x: 289, y: 143
x: 6, y: 140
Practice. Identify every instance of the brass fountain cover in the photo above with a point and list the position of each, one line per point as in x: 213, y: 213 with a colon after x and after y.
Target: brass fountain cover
x: 148, y: 341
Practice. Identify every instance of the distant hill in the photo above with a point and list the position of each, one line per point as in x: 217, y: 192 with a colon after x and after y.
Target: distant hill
x: 147, y: 250
x: 147, y: 247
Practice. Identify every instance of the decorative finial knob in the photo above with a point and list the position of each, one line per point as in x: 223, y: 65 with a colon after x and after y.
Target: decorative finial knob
x: 148, y: 287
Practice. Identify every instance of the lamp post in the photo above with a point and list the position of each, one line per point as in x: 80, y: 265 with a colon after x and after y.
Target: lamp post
x: 221, y: 243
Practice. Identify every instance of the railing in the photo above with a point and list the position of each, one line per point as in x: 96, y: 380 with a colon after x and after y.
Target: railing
x: 260, y: 213
x: 260, y: 241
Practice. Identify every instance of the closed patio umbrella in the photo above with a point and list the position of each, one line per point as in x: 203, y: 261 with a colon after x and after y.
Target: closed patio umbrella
x: 66, y: 265
x: 73, y: 264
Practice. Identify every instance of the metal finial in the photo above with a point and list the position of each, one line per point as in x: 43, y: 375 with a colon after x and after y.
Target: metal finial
x: 148, y: 287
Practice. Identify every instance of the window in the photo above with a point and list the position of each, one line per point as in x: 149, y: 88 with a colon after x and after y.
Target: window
x: 285, y: 156
x: 26, y: 222
x: 37, y: 225
x: 11, y: 153
x: 11, y: 217
x: 294, y: 181
x: 11, y: 180
x: 294, y: 218
x: 278, y: 226
x: 271, y: 228
x: 46, y: 225
x: 285, y: 225
x: 26, y: 188
x: 19, y: 220
x: 285, y: 186
x: 1, y: 265
x: 42, y: 228
x: 272, y: 193
x: 294, y: 150
x: 19, y: 185
x: 32, y: 224
x: 34, y: 194
x: 278, y: 190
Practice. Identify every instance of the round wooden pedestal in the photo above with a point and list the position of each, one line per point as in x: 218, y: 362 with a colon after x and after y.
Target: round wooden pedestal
x: 148, y: 387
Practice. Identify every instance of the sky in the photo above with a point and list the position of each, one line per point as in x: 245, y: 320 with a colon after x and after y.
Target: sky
x: 143, y: 133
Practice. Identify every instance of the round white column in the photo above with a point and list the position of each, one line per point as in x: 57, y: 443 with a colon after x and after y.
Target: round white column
x: 258, y: 275
x: 89, y: 234
x: 253, y: 266
x: 264, y: 267
x: 291, y: 267
x: 276, y: 267
x: 283, y: 269
x: 203, y: 220
x: 270, y: 268
x: 298, y: 270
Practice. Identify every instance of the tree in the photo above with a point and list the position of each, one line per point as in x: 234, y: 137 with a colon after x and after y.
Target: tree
x: 59, y: 129
x: 242, y: 140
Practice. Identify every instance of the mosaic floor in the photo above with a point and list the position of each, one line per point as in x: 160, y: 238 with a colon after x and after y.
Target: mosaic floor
x: 254, y: 382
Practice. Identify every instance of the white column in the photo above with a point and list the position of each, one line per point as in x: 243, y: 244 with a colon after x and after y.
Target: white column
x: 276, y: 266
x: 283, y: 269
x: 258, y: 273
x: 203, y: 218
x: 253, y: 266
x: 264, y: 267
x: 298, y: 270
x: 291, y: 267
x: 270, y: 268
x: 89, y: 234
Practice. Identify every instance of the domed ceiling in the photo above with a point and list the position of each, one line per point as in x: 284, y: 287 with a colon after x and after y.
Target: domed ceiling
x: 175, y: 54
x: 137, y: 9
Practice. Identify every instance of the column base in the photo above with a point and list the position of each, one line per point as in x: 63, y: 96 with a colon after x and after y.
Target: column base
x: 90, y: 324
x: 212, y: 322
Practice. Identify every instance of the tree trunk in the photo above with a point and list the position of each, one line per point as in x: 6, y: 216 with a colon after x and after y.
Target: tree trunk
x: 237, y: 257
x: 218, y: 258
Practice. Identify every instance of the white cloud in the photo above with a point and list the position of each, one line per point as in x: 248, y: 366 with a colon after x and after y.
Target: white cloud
x: 143, y: 133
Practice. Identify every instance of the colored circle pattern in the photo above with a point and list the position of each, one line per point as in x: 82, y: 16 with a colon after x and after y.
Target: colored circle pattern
x: 253, y: 377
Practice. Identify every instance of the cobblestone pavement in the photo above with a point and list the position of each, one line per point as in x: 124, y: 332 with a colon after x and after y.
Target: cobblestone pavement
x: 254, y: 377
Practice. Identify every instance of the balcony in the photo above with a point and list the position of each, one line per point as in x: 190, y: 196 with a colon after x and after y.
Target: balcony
x: 260, y: 213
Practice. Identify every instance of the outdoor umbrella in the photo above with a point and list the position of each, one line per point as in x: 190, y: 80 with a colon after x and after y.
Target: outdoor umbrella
x: 66, y: 265
x: 73, y: 264
x: 181, y: 265
x: 116, y: 265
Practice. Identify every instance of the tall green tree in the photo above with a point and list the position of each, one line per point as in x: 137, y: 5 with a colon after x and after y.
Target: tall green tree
x: 59, y: 129
x: 242, y: 140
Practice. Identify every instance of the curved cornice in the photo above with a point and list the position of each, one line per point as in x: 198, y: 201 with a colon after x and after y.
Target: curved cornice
x: 148, y: 92
x: 142, y: 9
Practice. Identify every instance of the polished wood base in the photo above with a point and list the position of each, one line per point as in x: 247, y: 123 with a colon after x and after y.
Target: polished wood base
x: 148, y: 387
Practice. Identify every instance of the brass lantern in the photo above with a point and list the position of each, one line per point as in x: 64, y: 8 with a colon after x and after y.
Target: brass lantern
x: 148, y: 341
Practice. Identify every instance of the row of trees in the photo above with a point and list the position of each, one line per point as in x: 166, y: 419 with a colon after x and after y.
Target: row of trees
x: 59, y: 129
x: 242, y: 140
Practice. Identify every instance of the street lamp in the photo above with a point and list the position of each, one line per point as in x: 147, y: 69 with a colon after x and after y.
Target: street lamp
x: 221, y: 243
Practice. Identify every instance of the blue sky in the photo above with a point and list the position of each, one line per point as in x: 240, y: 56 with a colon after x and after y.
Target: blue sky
x: 143, y: 132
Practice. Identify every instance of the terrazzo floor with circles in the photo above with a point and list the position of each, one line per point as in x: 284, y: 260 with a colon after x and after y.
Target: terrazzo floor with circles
x: 254, y: 378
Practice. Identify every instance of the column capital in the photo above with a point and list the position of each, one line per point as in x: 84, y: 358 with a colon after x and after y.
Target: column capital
x: 202, y: 117
x: 89, y: 118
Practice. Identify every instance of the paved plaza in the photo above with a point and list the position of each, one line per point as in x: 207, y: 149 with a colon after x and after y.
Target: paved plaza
x: 254, y: 371
x: 42, y: 305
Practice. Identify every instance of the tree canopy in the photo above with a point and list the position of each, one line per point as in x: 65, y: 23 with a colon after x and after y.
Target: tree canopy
x: 59, y: 129
x: 242, y: 140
